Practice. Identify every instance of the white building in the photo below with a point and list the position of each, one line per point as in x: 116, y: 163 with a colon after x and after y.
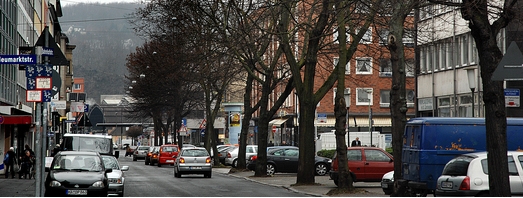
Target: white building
x: 446, y: 51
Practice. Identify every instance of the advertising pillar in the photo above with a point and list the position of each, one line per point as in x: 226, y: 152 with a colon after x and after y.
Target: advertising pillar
x: 234, y: 122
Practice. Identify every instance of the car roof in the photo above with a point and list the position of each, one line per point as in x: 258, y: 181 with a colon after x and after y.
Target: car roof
x: 176, y: 145
x: 78, y: 153
x: 483, y: 154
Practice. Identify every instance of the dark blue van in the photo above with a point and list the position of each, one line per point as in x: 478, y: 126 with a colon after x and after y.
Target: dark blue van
x: 430, y: 142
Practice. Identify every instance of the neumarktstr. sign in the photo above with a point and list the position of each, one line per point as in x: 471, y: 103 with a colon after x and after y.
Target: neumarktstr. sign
x: 18, y: 59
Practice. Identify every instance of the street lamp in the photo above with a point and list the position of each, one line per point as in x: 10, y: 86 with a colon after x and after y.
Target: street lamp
x: 472, y: 84
x: 346, y: 95
x: 369, y: 91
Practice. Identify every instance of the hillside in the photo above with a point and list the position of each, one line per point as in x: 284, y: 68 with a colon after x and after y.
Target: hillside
x: 103, y: 39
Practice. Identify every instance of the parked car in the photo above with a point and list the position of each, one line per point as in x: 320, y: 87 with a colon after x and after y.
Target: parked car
x: 150, y: 151
x: 285, y: 160
x: 365, y: 164
x: 193, y: 161
x: 155, y: 157
x: 140, y: 152
x: 116, y: 177
x: 232, y: 155
x: 77, y: 173
x: 222, y: 153
x: 167, y: 154
x: 467, y: 175
x: 387, y: 183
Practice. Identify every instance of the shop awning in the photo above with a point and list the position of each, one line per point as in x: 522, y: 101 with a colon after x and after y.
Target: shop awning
x: 16, y: 119
x: 278, y: 121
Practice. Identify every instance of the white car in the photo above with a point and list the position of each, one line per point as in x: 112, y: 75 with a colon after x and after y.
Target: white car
x: 387, y: 183
x: 116, y: 177
x: 232, y: 156
x: 467, y: 175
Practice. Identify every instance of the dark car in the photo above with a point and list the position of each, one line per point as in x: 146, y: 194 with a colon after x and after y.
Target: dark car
x: 285, y: 160
x: 149, y: 156
x: 77, y: 173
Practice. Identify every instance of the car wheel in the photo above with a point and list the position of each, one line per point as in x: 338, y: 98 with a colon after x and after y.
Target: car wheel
x: 321, y: 169
x: 235, y: 163
x: 271, y: 169
x: 134, y: 158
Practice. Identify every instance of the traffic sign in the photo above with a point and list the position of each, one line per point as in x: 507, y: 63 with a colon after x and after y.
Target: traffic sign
x: 18, y: 59
x: 1, y: 119
x: 33, y: 95
x: 511, y: 65
x: 86, y: 108
x: 512, y: 97
x: 202, y: 132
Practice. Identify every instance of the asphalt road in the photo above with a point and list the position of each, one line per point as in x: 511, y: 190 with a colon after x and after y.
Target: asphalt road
x: 151, y: 181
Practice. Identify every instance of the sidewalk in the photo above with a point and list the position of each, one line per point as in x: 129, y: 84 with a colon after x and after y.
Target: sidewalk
x: 320, y: 190
x: 14, y: 187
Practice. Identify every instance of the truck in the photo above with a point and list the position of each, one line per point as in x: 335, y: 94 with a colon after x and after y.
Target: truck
x: 102, y: 144
x: 430, y: 142
x: 327, y: 141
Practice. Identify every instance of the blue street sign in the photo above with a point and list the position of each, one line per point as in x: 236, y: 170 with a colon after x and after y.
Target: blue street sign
x: 18, y: 59
x: 86, y: 108
x: 202, y: 132
x: 31, y: 83
x: 45, y: 70
x: 46, y: 96
x: 47, y: 51
x: 30, y: 71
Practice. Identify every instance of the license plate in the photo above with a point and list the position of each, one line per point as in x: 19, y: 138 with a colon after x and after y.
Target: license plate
x: 446, y: 184
x: 77, y: 192
x: 195, y: 167
x: 384, y: 186
x: 170, y: 161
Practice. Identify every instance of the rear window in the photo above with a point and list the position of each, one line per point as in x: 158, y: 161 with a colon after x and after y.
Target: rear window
x: 144, y: 148
x: 195, y: 153
x: 170, y: 149
x: 458, y: 166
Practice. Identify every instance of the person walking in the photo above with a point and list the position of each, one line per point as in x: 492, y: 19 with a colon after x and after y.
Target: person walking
x: 27, y: 148
x: 9, y: 162
x: 26, y: 163
x: 356, y: 142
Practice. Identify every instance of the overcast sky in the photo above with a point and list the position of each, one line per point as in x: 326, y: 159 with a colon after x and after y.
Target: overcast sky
x: 69, y: 2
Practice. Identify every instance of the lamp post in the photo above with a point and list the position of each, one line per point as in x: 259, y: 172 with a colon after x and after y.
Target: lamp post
x: 369, y: 91
x: 472, y: 84
x: 346, y: 95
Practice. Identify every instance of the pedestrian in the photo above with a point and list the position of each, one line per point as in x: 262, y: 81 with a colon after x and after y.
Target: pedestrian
x: 356, y: 142
x: 128, y: 151
x: 9, y: 162
x: 26, y: 163
x: 27, y: 148
x: 55, y: 150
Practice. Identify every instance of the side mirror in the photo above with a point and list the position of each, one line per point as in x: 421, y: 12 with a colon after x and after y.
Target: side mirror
x: 125, y: 168
x: 109, y: 170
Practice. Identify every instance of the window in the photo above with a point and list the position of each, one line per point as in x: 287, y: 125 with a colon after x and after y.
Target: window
x: 354, y: 155
x: 411, y: 96
x: 430, y: 51
x: 383, y: 36
x: 465, y: 106
x: 512, y: 170
x: 364, y: 96
x: 385, y: 67
x: 436, y: 56
x: 423, y: 64
x: 336, y: 33
x: 385, y: 98
x: 409, y: 67
x: 77, y: 86
x: 347, y: 66
x: 443, y: 55
x: 364, y: 65
x: 367, y: 37
x: 464, y: 50
x: 376, y: 155
x: 408, y: 37
x: 444, y: 107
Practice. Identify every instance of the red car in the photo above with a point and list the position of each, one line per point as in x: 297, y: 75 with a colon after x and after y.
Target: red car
x: 365, y: 164
x: 166, y: 153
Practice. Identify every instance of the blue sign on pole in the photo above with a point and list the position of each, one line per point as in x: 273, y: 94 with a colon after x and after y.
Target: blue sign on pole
x: 86, y: 108
x: 18, y: 59
x: 202, y: 132
x: 46, y: 96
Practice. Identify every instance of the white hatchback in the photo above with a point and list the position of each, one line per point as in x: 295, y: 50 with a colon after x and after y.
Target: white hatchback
x: 467, y: 175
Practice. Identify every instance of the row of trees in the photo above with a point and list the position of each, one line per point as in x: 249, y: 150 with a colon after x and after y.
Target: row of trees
x: 196, y: 51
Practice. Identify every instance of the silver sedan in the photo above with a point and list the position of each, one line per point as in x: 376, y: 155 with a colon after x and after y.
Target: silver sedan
x: 193, y: 161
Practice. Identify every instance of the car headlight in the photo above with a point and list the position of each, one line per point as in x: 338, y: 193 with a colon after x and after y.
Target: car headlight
x: 98, y: 184
x: 55, y: 184
x: 115, y: 180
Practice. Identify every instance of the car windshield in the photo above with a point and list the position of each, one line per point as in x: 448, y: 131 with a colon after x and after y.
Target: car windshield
x: 143, y: 148
x: 195, y: 153
x: 111, y: 162
x: 457, y: 166
x: 170, y: 149
x: 78, y: 163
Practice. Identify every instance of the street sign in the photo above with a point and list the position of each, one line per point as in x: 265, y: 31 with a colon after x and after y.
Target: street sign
x: 511, y: 65
x: 33, y: 95
x: 322, y: 118
x: 512, y: 97
x: 18, y: 59
x: 202, y: 132
x: 77, y: 107
x: 43, y: 83
x: 86, y: 108
x: 1, y: 119
x: 47, y: 51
